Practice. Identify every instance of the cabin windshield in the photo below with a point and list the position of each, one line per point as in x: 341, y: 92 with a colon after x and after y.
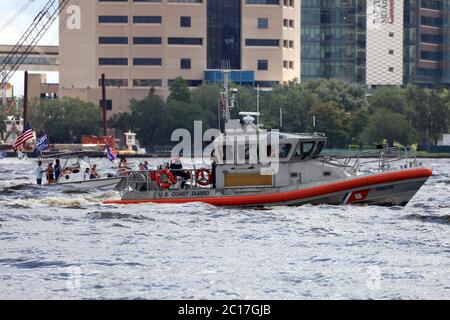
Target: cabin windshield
x: 285, y: 148
x: 318, y: 149
x: 304, y: 150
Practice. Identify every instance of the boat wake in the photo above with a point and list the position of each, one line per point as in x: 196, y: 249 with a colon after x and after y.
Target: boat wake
x: 445, y: 219
x: 111, y: 215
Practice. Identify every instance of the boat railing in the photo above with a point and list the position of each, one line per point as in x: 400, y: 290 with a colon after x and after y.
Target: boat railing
x: 385, y: 159
x: 145, y: 180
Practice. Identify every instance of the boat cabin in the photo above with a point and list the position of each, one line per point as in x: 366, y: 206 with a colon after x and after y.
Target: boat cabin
x: 278, y: 160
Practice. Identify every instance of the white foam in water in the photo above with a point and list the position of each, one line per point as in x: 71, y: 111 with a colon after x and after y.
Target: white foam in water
x: 58, y: 245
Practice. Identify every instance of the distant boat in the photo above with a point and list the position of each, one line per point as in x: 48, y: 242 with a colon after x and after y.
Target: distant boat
x: 73, y: 173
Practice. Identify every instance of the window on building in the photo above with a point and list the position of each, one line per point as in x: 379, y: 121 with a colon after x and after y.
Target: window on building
x: 262, y: 1
x: 114, y: 82
x: 185, y: 63
x: 147, y: 82
x: 263, y: 23
x: 112, y: 40
x: 391, y: 69
x: 263, y: 65
x: 391, y: 34
x: 147, y: 61
x: 391, y: 51
x: 262, y: 42
x: 108, y: 104
x: 113, y: 19
x: 147, y: 19
x: 186, y: 1
x: 185, y: 22
x: 147, y: 40
x: 113, y: 61
x: 185, y: 41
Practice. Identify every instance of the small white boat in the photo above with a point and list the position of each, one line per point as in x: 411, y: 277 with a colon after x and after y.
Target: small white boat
x: 74, y: 173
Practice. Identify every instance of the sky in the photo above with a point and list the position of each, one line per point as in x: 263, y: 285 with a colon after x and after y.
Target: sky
x: 12, y: 33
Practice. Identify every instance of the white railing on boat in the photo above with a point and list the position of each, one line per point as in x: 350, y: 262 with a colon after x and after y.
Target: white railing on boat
x: 146, y: 180
x: 386, y: 159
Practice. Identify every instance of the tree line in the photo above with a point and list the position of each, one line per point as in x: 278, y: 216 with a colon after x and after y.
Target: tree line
x: 345, y: 112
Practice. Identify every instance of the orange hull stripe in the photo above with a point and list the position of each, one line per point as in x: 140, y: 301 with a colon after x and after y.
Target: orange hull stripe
x: 334, y: 187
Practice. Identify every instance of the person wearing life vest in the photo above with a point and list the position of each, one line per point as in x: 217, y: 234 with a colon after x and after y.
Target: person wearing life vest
x: 177, y: 169
x: 94, y: 173
x: 57, y: 169
x: 50, y: 174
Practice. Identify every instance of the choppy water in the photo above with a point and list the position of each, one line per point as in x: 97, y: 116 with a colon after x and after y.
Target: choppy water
x: 69, y: 245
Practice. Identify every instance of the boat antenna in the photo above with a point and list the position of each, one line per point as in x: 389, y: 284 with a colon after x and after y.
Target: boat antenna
x: 227, y: 98
x: 314, y: 124
x: 257, y: 105
x: 281, y: 118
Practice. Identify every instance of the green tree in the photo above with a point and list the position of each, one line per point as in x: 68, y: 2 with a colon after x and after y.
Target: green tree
x: 179, y: 90
x: 331, y: 120
x: 431, y: 112
x: 295, y: 103
x: 390, y: 98
x: 205, y: 97
x: 347, y: 95
x: 385, y: 125
x: 122, y: 122
x: 65, y: 120
x: 358, y: 121
x: 149, y: 118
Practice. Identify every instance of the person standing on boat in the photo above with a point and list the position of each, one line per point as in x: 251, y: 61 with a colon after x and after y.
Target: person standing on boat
x: 123, y: 167
x: 57, y: 169
x: 213, y: 167
x: 87, y: 174
x: 177, y: 168
x: 39, y: 172
x: 94, y: 172
x: 50, y: 174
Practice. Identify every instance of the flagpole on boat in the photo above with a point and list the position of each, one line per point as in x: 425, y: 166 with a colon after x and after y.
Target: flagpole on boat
x: 105, y: 125
x: 25, y: 99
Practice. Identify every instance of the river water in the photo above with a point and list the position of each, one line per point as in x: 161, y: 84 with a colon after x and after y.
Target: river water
x: 56, y: 245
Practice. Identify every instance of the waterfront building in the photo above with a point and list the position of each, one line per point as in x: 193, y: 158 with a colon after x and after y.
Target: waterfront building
x: 427, y: 42
x: 140, y: 44
x: 376, y: 42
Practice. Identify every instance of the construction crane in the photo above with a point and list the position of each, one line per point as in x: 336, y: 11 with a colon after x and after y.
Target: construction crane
x: 30, y: 39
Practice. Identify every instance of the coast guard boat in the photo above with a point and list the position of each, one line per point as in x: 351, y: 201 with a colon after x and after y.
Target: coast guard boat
x: 238, y: 177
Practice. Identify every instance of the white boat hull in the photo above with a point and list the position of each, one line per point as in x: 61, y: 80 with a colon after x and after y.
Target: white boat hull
x: 103, y: 183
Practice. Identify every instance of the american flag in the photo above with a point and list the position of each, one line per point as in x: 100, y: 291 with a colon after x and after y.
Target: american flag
x: 26, y: 135
x: 111, y: 153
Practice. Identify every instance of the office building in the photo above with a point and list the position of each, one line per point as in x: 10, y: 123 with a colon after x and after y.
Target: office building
x: 140, y: 44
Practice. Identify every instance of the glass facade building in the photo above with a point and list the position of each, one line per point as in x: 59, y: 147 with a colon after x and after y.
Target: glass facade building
x: 427, y: 42
x: 333, y: 39
x: 224, y: 33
